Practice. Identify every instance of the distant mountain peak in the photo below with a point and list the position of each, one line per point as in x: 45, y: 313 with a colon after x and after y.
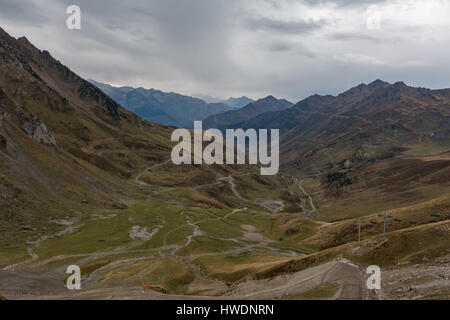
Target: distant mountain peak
x: 378, y: 84
x: 399, y: 84
x: 235, y: 98
x: 237, y: 103
x: 365, y: 89
x: 269, y: 98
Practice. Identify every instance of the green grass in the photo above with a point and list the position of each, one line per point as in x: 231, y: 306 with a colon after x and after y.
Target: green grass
x: 62, y: 262
x: 12, y: 254
x: 95, y: 235
x: 236, y: 267
x: 171, y: 275
x: 201, y: 245
x: 325, y: 291
x: 122, y: 274
x: 103, y: 234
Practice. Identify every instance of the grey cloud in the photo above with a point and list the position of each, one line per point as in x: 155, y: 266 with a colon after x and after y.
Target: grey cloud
x: 352, y: 36
x: 290, y: 27
x: 344, y: 3
x: 229, y: 47
x: 21, y: 12
x: 280, y: 46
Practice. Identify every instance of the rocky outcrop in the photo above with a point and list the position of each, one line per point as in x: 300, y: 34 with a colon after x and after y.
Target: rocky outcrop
x: 38, y: 131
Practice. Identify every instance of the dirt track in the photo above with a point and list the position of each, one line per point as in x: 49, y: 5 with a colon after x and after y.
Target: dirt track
x: 311, y: 202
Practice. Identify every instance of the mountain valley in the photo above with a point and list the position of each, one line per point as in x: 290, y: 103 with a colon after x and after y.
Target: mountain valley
x: 85, y: 182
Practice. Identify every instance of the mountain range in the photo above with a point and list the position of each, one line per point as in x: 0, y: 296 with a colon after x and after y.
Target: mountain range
x: 365, y: 123
x: 162, y: 107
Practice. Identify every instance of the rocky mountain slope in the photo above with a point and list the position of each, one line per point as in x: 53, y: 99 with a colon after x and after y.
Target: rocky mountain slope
x: 368, y: 122
x: 64, y: 143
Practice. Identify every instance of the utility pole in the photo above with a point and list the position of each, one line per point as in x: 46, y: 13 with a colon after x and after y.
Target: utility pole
x: 384, y: 224
x: 359, y: 229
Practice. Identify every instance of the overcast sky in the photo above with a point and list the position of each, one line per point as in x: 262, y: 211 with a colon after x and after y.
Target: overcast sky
x: 288, y: 48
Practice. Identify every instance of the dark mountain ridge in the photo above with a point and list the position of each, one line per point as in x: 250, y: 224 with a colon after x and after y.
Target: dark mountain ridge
x: 233, y: 118
x: 162, y: 107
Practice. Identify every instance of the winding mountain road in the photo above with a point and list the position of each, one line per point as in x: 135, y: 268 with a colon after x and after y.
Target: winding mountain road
x: 311, y: 202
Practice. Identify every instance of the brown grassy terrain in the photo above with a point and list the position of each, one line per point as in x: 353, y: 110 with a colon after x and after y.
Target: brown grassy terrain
x: 384, y: 185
